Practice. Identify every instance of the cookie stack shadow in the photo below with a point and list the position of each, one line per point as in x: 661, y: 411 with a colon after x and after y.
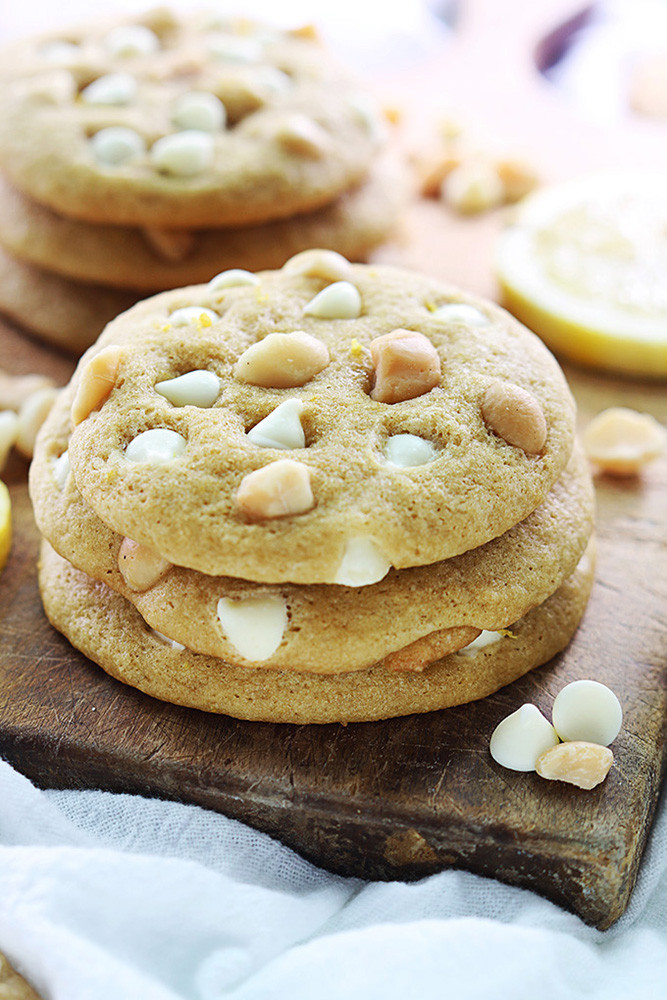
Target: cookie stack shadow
x: 155, y: 152
x: 326, y: 493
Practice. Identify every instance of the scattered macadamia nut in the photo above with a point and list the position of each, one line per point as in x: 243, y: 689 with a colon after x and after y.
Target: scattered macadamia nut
x: 587, y: 710
x: 473, y: 187
x: 280, y: 489
x: 407, y: 365
x: 577, y: 762
x: 170, y: 244
x: 140, y: 567
x: 519, y: 739
x: 621, y: 441
x: 301, y: 135
x: 516, y: 416
x: 282, y: 360
x: 96, y: 382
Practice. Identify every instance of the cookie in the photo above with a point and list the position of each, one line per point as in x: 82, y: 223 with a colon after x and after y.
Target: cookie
x: 124, y: 257
x: 487, y: 588
x: 108, y: 629
x: 182, y: 121
x: 415, y: 423
x: 68, y: 314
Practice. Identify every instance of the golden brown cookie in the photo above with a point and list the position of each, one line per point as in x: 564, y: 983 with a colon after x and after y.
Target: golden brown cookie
x: 182, y: 121
x: 111, y: 631
x: 414, y: 423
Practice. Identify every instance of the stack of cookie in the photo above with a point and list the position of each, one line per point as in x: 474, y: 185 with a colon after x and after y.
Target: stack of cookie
x: 156, y: 152
x: 332, y: 492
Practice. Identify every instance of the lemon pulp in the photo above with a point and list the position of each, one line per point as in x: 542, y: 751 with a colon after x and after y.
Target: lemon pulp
x: 5, y: 524
x: 583, y: 264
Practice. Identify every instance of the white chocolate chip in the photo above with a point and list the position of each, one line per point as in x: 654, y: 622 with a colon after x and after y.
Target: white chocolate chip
x: 519, y: 739
x: 299, y: 134
x: 116, y: 145
x: 193, y: 314
x: 282, y: 360
x: 461, y: 312
x: 196, y: 388
x: 233, y: 48
x: 341, y: 300
x: 281, y: 428
x: 32, y: 415
x: 199, y: 110
x: 161, y: 637
x: 368, y: 114
x: 183, y: 154
x: 9, y: 428
x: 325, y: 264
x: 484, y: 639
x: 587, y: 710
x: 620, y: 441
x: 157, y: 446
x: 129, y: 40
x: 233, y: 278
x: 363, y: 563
x: 61, y: 469
x: 271, y: 82
x: 407, y: 365
x: 114, y: 89
x: 96, y: 380
x: 254, y: 626
x: 578, y: 763
x: 407, y: 450
x: 60, y: 52
x: 140, y: 566
x: 280, y: 489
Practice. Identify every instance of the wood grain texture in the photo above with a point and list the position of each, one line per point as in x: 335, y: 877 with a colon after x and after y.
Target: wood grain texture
x: 407, y: 797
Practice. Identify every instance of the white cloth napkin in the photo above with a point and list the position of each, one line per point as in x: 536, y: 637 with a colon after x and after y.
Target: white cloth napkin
x: 116, y: 897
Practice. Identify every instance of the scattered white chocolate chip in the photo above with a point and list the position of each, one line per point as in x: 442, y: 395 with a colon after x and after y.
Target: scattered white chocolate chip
x: 32, y: 415
x: 61, y: 469
x: 299, y: 134
x: 517, y: 176
x: 170, y: 244
x: 96, y: 381
x: 158, y: 446
x: 621, y: 441
x: 193, y: 314
x: 9, y: 428
x: 232, y: 278
x: 281, y: 428
x: 407, y: 365
x: 140, y: 566
x: 341, y: 300
x: 519, y: 739
x: 515, y: 415
x: 196, y: 388
x: 326, y: 264
x: 183, y: 154
x: 271, y: 82
x: 254, y: 626
x: 113, y: 89
x: 578, y: 763
x: 235, y: 48
x: 484, y: 639
x: 587, y: 710
x: 282, y: 360
x: 363, y: 563
x: 473, y: 186
x: 408, y: 450
x: 161, y: 637
x: 116, y: 145
x: 199, y: 110
x: 461, y: 312
x: 280, y: 489
x: 60, y: 51
x: 129, y: 40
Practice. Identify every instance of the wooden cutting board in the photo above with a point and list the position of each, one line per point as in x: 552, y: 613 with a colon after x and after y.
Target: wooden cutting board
x: 407, y: 797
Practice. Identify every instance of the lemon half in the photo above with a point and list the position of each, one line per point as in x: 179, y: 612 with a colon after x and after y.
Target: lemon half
x: 5, y: 524
x: 583, y: 263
